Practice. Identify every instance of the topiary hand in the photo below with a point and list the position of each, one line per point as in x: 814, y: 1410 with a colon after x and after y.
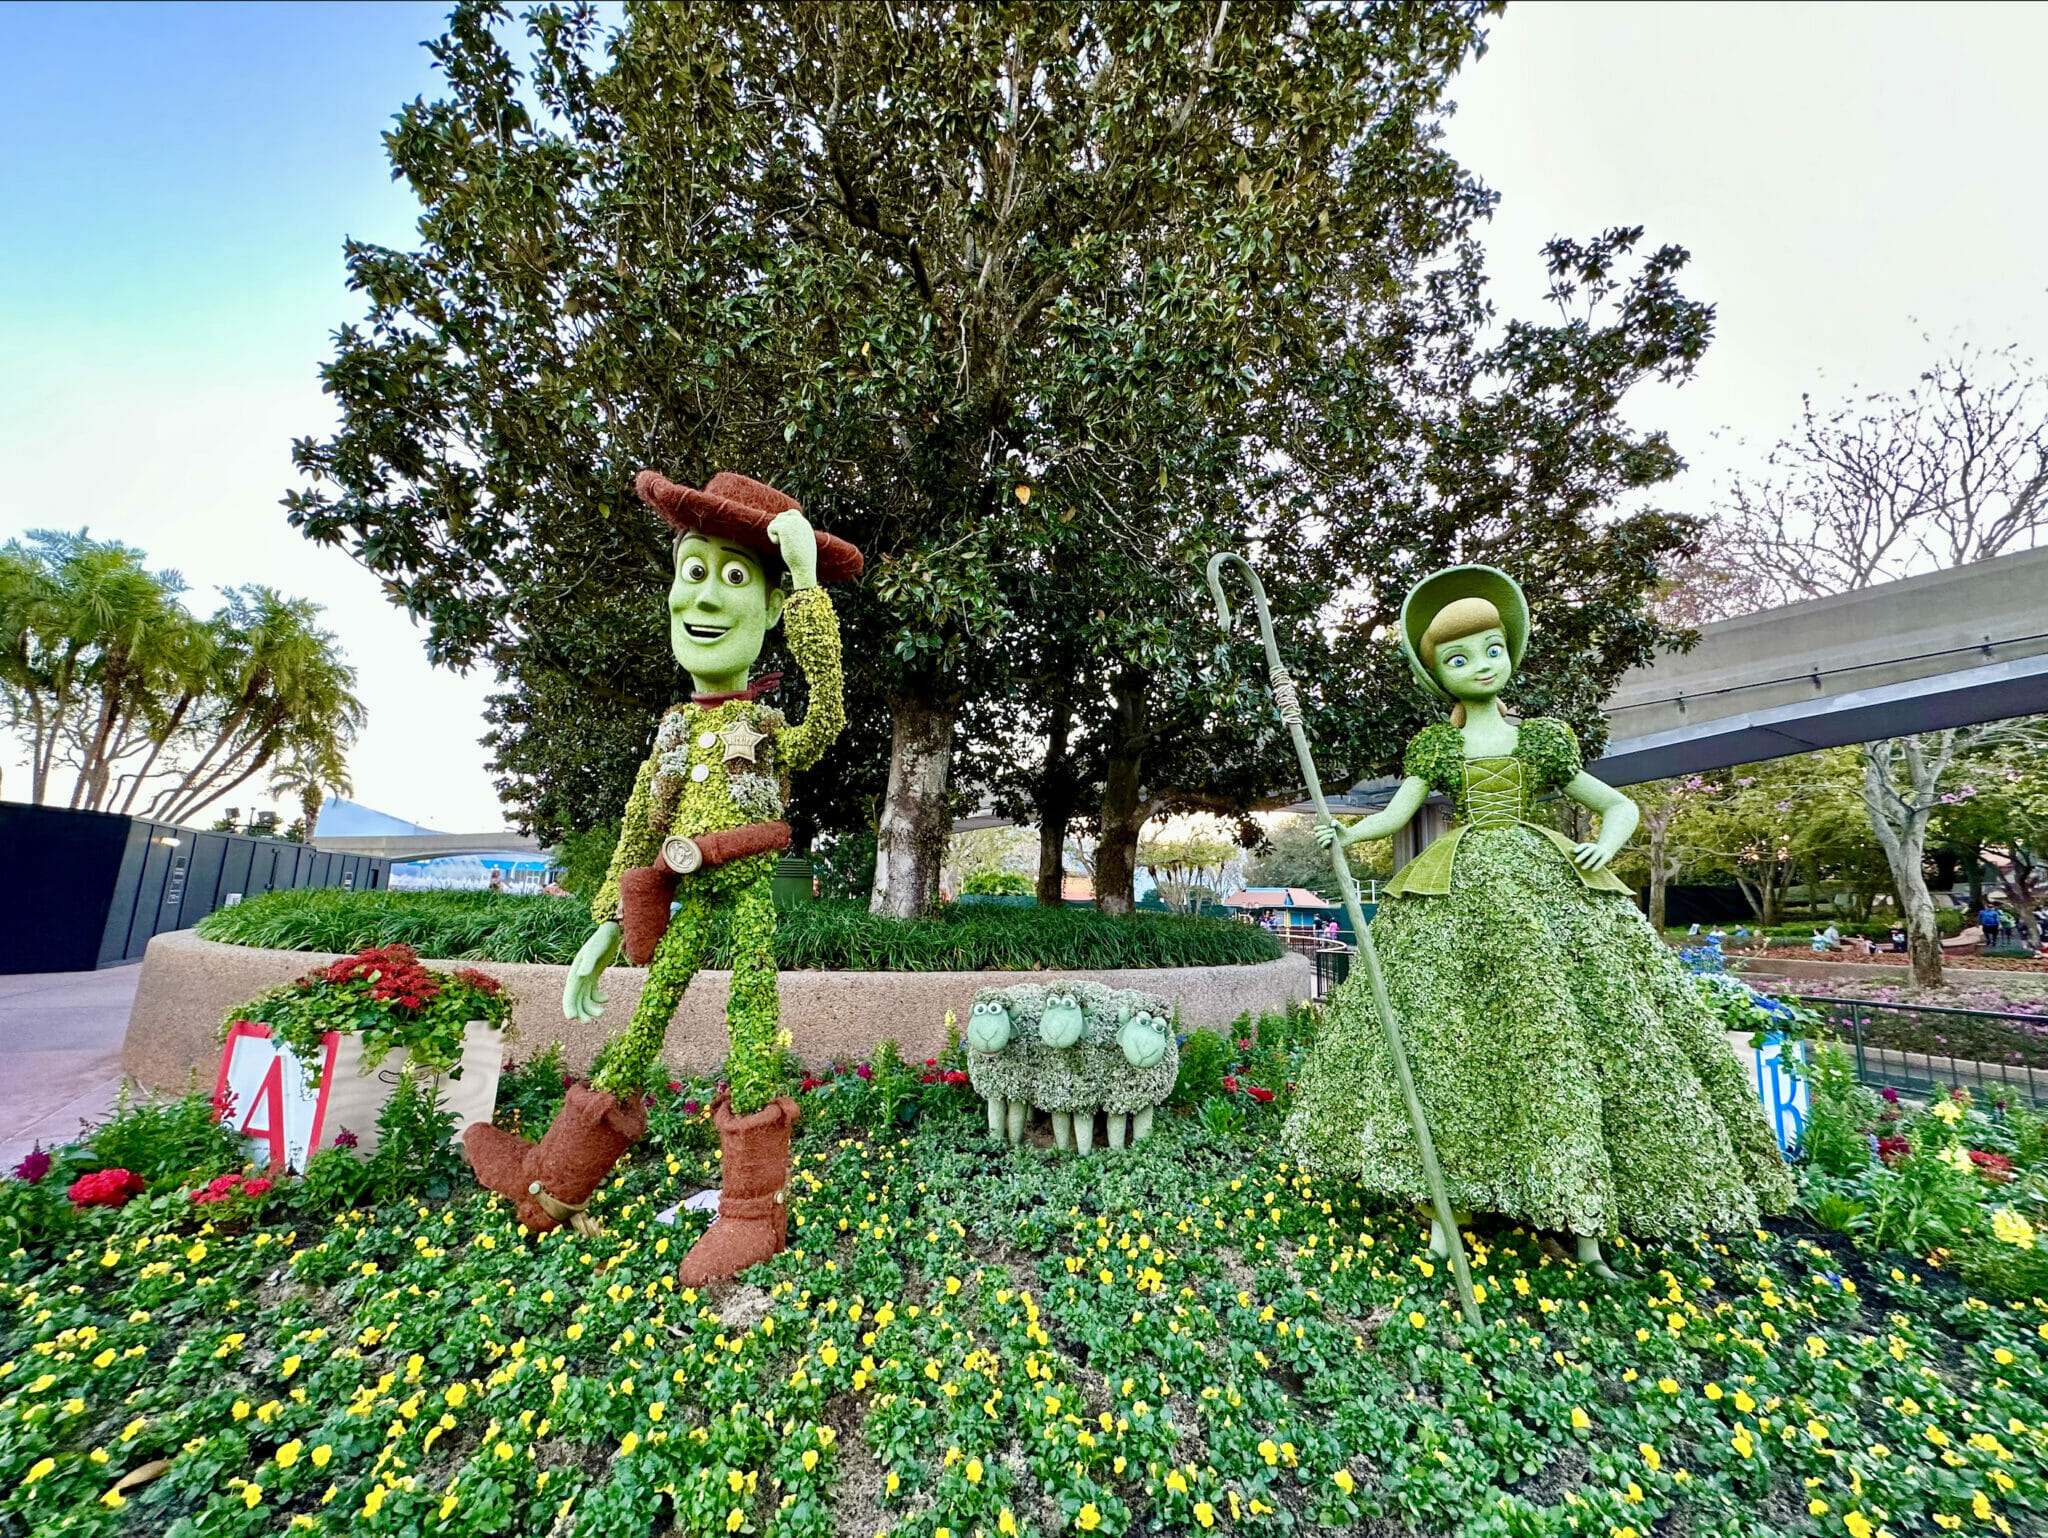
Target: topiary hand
x: 798, y: 542
x: 1143, y: 1038
x: 580, y: 997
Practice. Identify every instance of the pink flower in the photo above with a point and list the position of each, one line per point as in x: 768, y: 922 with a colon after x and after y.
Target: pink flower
x: 345, y: 1139
x: 105, y: 1188
x: 674, y: 1086
x: 864, y: 1071
x: 34, y: 1165
x: 255, y: 1187
x: 689, y: 1108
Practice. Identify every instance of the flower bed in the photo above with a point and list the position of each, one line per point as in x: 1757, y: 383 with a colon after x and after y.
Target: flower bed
x: 1960, y: 1181
x: 813, y: 936
x: 1184, y: 1337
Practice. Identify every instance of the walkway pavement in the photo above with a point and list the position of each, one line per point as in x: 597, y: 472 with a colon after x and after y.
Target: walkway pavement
x: 60, y: 1053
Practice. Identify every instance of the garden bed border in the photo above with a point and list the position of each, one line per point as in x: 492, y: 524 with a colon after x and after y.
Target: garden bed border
x: 187, y: 984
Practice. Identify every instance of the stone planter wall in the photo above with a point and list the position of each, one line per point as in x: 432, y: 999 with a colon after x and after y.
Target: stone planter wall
x: 187, y: 984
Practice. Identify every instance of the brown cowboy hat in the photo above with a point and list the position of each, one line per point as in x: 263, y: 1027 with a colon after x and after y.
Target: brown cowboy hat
x: 736, y: 508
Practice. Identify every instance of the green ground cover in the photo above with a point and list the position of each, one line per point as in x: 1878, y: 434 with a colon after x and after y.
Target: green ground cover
x: 964, y: 1339
x: 823, y: 935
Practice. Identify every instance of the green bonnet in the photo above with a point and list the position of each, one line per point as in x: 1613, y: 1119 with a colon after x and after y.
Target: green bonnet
x: 1439, y: 590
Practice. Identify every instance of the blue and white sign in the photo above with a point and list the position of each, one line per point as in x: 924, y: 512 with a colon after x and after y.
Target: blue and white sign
x: 1781, y: 1086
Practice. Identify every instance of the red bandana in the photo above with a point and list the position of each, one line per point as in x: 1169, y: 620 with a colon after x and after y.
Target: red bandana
x: 752, y: 692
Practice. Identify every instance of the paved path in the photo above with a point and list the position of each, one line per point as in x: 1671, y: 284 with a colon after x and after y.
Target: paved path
x: 60, y: 1053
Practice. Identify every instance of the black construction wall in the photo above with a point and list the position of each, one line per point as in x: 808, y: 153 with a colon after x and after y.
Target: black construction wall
x: 80, y: 890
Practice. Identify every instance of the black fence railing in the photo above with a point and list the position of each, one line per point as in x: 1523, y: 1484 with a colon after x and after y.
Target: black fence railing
x: 1922, y: 1049
x: 1333, y: 964
x: 90, y: 889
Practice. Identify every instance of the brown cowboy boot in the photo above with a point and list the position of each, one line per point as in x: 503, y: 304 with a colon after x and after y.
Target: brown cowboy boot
x: 549, y: 1182
x: 753, y: 1199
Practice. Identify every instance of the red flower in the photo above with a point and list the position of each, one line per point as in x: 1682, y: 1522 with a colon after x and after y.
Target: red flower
x: 864, y: 1071
x: 1263, y: 1096
x: 955, y: 1076
x: 219, y: 1189
x: 689, y: 1108
x: 675, y: 1086
x: 255, y: 1187
x: 811, y: 1083
x: 1230, y: 1082
x: 1892, y: 1149
x: 345, y: 1139
x: 1996, y: 1168
x: 105, y: 1188
x: 483, y: 982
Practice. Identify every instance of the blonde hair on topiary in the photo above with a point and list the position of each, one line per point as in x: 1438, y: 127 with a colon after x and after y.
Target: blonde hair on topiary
x: 1453, y: 622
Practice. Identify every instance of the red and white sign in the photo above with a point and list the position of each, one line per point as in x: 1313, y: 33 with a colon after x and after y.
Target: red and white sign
x: 264, y: 1094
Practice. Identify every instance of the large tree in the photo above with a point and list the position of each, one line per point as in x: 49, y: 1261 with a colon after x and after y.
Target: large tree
x: 966, y: 279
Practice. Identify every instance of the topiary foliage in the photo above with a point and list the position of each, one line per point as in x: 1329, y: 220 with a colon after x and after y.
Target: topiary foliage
x: 1120, y: 1028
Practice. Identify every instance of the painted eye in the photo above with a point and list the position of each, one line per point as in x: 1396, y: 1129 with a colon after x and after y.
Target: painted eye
x: 1456, y: 662
x: 694, y: 570
x: 1495, y: 650
x: 735, y: 574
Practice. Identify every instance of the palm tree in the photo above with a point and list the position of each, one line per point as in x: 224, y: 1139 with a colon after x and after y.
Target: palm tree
x: 310, y: 769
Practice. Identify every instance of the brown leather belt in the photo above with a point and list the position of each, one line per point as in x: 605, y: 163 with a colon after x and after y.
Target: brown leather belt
x: 646, y: 891
x: 681, y: 854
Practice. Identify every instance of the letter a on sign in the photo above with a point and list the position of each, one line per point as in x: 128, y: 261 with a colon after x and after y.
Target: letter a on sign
x: 263, y: 1094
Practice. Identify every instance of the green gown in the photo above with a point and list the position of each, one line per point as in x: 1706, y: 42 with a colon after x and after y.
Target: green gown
x: 1571, y: 1077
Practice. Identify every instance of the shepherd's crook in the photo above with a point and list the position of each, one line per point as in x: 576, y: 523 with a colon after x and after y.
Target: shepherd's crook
x: 1290, y: 712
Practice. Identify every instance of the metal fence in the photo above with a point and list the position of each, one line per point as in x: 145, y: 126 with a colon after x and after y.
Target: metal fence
x: 90, y: 889
x: 1920, y: 1049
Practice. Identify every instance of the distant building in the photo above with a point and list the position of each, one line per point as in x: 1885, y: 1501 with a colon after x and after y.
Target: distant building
x: 1293, y: 907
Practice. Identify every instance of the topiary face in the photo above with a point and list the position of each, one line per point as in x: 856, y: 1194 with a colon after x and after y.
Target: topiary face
x: 1143, y: 1038
x: 1474, y: 667
x: 988, y: 1028
x: 1060, y: 1024
x: 721, y: 607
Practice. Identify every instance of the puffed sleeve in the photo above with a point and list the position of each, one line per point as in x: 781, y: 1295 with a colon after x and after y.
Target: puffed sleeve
x: 1436, y: 755
x: 1551, y: 748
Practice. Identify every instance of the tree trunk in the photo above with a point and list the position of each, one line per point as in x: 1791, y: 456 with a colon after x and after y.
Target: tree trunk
x: 1900, y: 826
x: 1973, y: 859
x: 1123, y: 812
x: 1660, y: 871
x: 310, y: 802
x: 1055, y: 801
x: 910, y: 840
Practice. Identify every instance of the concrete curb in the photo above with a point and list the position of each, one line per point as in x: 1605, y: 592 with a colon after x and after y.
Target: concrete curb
x: 188, y: 984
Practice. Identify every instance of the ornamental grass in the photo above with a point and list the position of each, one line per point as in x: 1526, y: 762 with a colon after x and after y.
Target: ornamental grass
x: 1186, y: 1337
x: 823, y: 935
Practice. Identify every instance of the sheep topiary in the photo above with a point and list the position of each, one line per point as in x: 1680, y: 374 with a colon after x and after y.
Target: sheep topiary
x: 1071, y: 1049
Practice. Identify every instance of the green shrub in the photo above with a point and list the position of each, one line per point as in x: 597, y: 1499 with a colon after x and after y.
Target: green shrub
x: 162, y: 1140
x: 826, y: 935
x: 416, y: 1154
x: 1204, y: 1060
x: 996, y: 883
x: 1838, y: 1110
x: 455, y: 926
x: 586, y: 857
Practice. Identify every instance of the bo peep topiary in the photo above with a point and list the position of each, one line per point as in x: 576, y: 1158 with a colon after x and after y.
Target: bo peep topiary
x: 1071, y: 1049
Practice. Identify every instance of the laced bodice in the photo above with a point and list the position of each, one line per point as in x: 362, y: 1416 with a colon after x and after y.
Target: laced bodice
x: 1495, y: 793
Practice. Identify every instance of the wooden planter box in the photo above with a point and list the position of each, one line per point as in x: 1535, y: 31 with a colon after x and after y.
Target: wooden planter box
x: 264, y: 1090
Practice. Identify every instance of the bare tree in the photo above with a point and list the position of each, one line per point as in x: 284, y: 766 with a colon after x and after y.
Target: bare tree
x: 1953, y: 471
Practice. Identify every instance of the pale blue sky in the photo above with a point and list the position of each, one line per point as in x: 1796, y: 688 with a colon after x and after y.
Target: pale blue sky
x: 179, y: 178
